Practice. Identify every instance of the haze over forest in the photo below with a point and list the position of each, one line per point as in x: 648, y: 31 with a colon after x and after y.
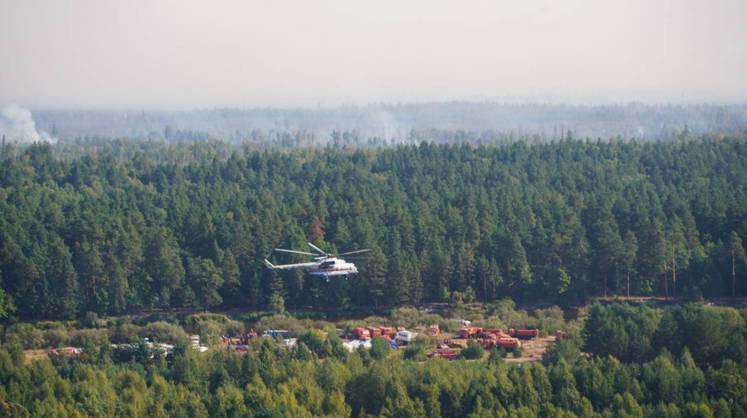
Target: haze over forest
x: 439, y: 122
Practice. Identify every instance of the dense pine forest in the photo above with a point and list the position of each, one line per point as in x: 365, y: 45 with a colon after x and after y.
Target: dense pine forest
x: 116, y: 227
x: 682, y: 361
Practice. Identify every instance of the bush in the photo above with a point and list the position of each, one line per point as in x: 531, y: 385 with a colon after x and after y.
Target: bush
x: 210, y: 332
x: 91, y: 337
x: 194, y: 319
x: 490, y: 322
x: 410, y: 317
x: 89, y: 320
x: 550, y: 319
x: 156, y: 317
x: 517, y: 351
x: 497, y: 354
x: 505, y: 311
x: 473, y: 351
x: 367, y: 321
x: 301, y: 352
x: 568, y: 349
x: 308, y: 314
x: 57, y: 337
x: 27, y: 335
x: 210, y: 327
x: 406, y: 316
x: 415, y: 352
x: 164, y: 332
x: 379, y: 348
x: 125, y: 333
x: 316, y: 341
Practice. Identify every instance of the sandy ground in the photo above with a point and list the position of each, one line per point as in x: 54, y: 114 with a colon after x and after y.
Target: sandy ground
x: 32, y: 355
x: 533, y: 350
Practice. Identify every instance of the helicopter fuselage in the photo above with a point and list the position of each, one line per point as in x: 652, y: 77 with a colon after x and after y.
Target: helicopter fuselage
x: 333, y: 267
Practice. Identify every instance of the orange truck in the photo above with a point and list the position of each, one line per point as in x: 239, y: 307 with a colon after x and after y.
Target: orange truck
x: 506, y: 342
x: 469, y: 332
x: 374, y: 331
x: 361, y: 333
x: 387, y: 332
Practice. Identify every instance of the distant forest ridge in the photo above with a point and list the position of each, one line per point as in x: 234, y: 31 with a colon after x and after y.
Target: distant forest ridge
x: 400, y: 122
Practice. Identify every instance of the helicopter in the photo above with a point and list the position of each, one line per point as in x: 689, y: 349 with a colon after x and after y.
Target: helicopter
x: 325, y: 264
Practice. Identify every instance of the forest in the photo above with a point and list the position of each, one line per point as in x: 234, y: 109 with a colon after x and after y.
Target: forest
x: 624, y: 361
x: 112, y: 227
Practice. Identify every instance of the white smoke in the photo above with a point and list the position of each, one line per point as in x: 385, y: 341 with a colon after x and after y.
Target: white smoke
x: 17, y: 125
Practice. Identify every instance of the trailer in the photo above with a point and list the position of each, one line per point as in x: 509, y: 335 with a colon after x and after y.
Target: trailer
x: 524, y: 334
x: 445, y: 353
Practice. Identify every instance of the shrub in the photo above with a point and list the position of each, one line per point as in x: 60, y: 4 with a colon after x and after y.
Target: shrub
x: 90, y: 320
x: 473, y: 351
x: 27, y: 335
x: 156, y: 317
x: 57, y: 337
x: 550, y: 319
x: 517, y: 351
x: 210, y: 327
x: 164, y: 332
x: 125, y: 333
x: 280, y: 322
x: 406, y: 316
x: 415, y: 352
x: 316, y: 341
x: 210, y: 331
x: 379, y: 348
x: 410, y: 317
x: 90, y: 337
x: 568, y: 349
x: 497, y: 354
x: 194, y: 319
x: 505, y: 311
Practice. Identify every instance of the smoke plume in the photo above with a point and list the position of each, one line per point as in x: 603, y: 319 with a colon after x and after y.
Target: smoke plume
x: 17, y: 125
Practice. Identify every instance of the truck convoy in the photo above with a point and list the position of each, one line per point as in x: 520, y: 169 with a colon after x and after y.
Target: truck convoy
x: 490, y: 337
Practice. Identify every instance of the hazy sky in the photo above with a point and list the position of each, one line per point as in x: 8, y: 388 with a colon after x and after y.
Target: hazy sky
x: 182, y: 53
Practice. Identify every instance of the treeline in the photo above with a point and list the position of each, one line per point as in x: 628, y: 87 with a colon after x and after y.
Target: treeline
x: 136, y: 225
x: 318, y: 377
x: 639, y: 333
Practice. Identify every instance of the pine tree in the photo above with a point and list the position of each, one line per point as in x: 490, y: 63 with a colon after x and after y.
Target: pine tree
x: 737, y: 253
x: 628, y: 257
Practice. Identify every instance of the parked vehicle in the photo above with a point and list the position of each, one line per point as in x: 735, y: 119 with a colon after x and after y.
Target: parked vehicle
x: 445, y: 353
x: 405, y: 337
x: 524, y: 333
